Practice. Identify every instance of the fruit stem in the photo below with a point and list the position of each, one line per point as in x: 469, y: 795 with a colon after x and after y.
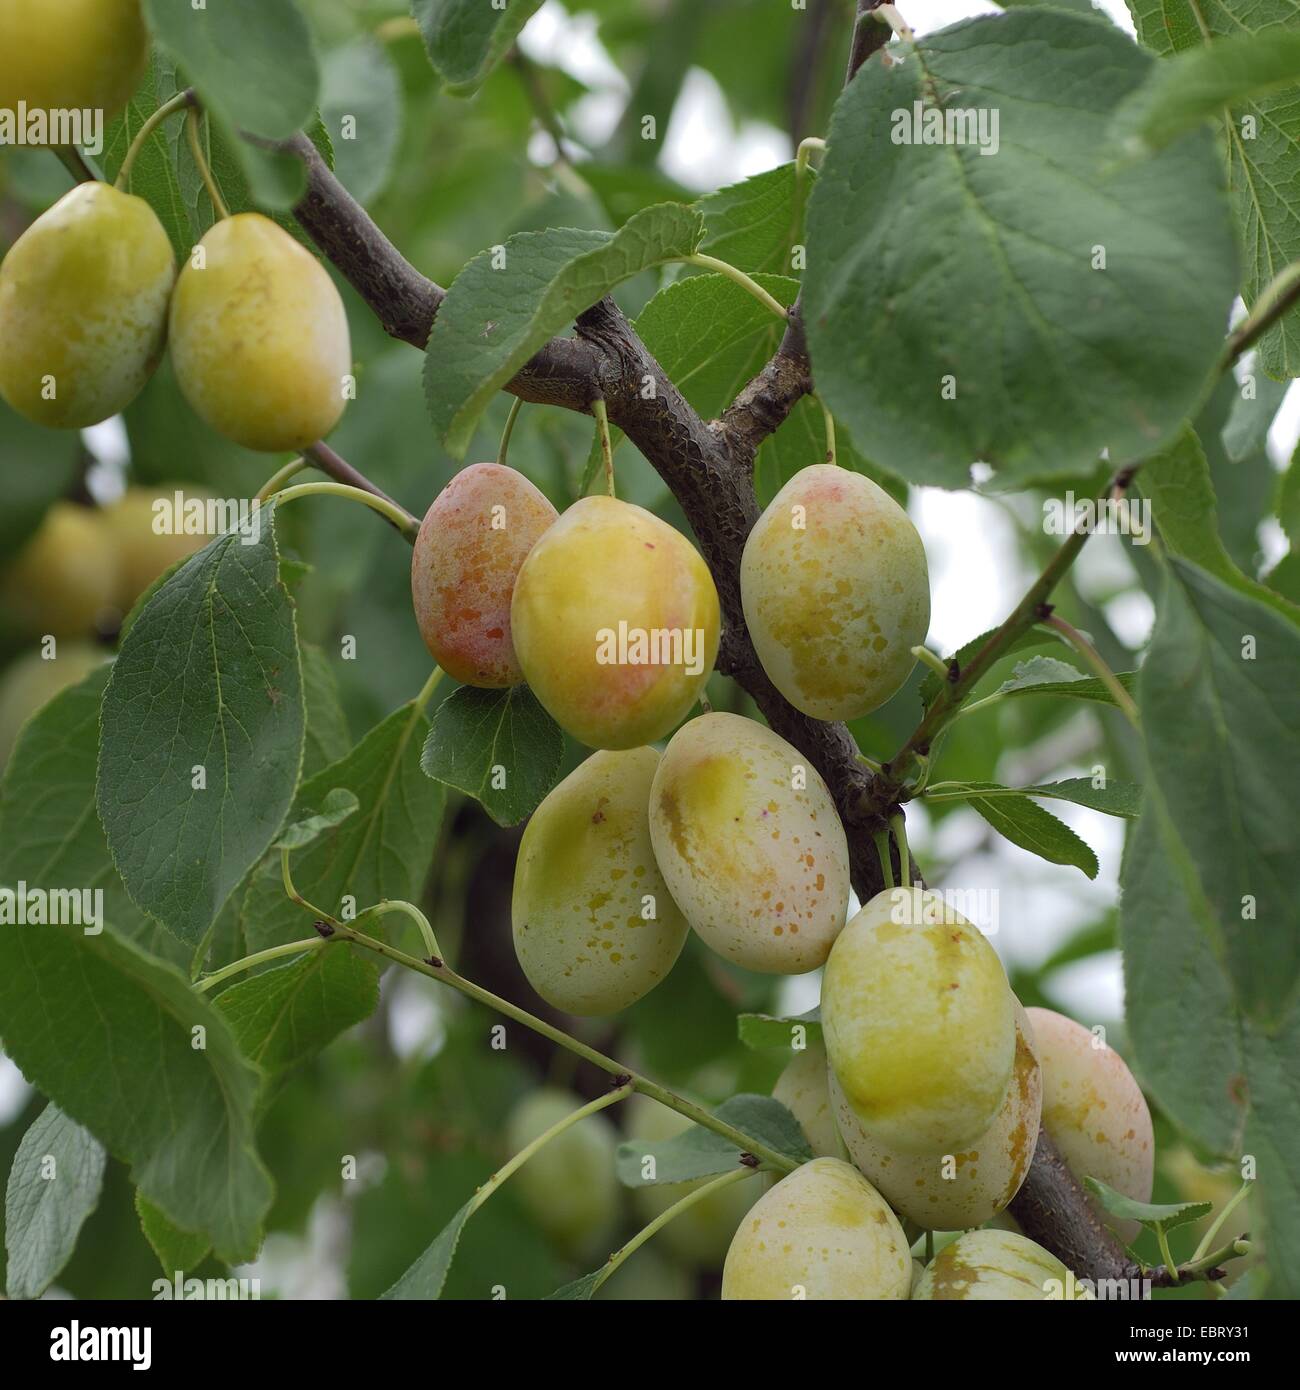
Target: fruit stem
x: 739, y: 276
x: 196, y: 149
x: 929, y: 1246
x: 490, y: 1185
x: 1274, y: 300
x: 278, y: 479
x: 881, y: 837
x: 1217, y: 1224
x: 668, y: 1214
x: 1162, y: 1239
x: 442, y: 972
x: 407, y: 525
x: 606, y: 448
x: 1234, y: 1250
x: 899, y: 826
x: 509, y: 429
x: 168, y: 108
x: 888, y: 14
x: 1093, y: 657
x: 76, y: 164
x: 423, y: 698
x: 289, y: 948
x: 936, y: 663
x: 814, y: 144
x: 829, y: 422
x: 381, y: 909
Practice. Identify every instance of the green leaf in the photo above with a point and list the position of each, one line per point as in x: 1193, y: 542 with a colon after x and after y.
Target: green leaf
x: 466, y: 39
x: 1182, y: 499
x: 1263, y: 164
x: 1112, y: 799
x: 1028, y: 825
x: 932, y: 684
x: 752, y: 224
x: 700, y: 1153
x: 50, y: 836
x: 328, y: 738
x: 580, y: 1290
x: 254, y: 64
x: 178, y: 1251
x: 764, y: 1032
x: 1045, y: 675
x: 360, y: 86
x: 289, y: 1013
x: 1220, y: 699
x: 494, y: 319
x: 1154, y: 1216
x: 207, y: 687
x: 124, y: 1046
x: 426, y: 1277
x: 498, y: 746
x: 339, y: 803
x: 381, y: 851
x: 54, y: 1186
x: 978, y: 273
x: 1197, y: 84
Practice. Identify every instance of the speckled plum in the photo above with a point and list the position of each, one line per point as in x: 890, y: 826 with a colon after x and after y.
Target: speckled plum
x: 804, y: 1089
x: 995, y: 1266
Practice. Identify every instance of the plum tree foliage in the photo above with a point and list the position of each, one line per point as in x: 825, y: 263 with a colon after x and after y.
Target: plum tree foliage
x: 677, y: 631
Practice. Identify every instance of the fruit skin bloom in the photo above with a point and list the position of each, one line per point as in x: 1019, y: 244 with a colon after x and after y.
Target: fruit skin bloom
x: 822, y: 1232
x: 83, y: 307
x: 608, y: 568
x: 66, y: 55
x: 919, y: 1024
x: 259, y: 337
x: 758, y: 864
x: 836, y: 592
x: 472, y: 541
x: 585, y: 873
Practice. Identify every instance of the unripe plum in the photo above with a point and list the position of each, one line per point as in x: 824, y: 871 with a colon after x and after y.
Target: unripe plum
x: 471, y: 544
x: 569, y: 1185
x: 836, y: 592
x: 965, y: 1188
x: 32, y: 681
x: 143, y: 552
x: 822, y: 1232
x: 803, y: 1088
x: 83, y: 307
x: 997, y: 1266
x: 615, y: 622
x: 585, y: 880
x: 918, y: 1021
x: 701, y: 1234
x: 64, y: 582
x: 259, y: 337
x: 750, y: 844
x: 1095, y: 1112
x: 78, y: 55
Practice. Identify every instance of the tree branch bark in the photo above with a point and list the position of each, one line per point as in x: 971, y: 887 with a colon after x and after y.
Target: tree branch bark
x: 708, y: 465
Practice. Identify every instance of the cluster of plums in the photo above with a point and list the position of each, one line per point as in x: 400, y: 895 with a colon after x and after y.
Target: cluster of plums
x: 925, y: 1102
x: 89, y: 293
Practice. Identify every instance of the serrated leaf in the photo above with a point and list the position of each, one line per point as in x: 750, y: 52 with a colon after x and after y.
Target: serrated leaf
x: 494, y: 319
x: 1113, y: 799
x: 764, y: 1032
x: 328, y: 738
x: 108, y: 1034
x: 1028, y: 825
x: 1154, y: 1216
x: 54, y: 1186
x: 178, y: 1251
x: 426, y: 1277
x: 753, y: 224
x: 931, y: 683
x: 1264, y: 163
x: 700, y: 1153
x: 1195, y: 85
x: 1186, y: 514
x: 979, y: 273
x: 480, y: 737
x: 50, y: 837
x: 465, y: 39
x: 1045, y: 675
x: 289, y: 1013
x: 208, y: 678
x: 580, y: 1290
x: 338, y: 804
x: 382, y: 851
